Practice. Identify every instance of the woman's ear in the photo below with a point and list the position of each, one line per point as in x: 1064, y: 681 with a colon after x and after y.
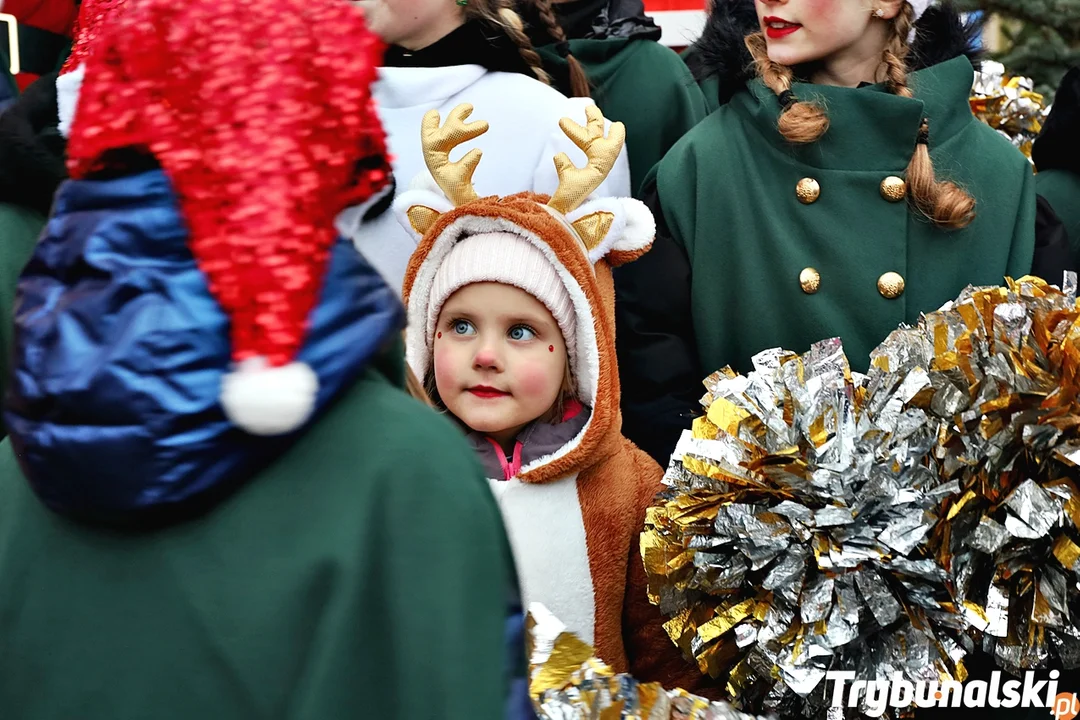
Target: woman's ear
x: 889, y: 8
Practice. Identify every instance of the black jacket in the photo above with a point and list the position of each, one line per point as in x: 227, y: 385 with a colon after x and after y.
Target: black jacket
x: 31, y: 148
x: 1058, y: 145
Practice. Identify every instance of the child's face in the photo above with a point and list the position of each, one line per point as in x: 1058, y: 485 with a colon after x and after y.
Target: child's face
x: 499, y: 358
x: 803, y: 31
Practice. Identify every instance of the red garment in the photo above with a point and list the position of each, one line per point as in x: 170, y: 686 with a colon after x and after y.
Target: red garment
x: 55, y: 16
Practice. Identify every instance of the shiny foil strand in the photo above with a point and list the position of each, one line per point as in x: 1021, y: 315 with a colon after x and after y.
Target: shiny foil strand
x: 567, y: 682
x: 1009, y: 104
x: 825, y: 491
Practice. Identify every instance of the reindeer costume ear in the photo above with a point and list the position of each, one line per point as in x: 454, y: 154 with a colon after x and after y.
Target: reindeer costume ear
x: 620, y: 229
x: 420, y: 207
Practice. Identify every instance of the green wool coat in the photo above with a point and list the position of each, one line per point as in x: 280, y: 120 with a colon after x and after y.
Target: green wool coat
x: 729, y: 196
x: 1062, y: 189
x: 710, y: 86
x: 640, y: 83
x: 355, y: 578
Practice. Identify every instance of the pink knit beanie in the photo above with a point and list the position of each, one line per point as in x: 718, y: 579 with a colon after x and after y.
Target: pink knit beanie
x: 503, y: 258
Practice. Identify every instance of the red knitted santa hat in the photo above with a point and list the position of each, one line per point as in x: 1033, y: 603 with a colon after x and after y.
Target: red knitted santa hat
x: 260, y: 113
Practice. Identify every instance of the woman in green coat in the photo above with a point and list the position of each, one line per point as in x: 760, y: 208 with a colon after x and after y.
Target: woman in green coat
x: 843, y: 191
x: 608, y: 49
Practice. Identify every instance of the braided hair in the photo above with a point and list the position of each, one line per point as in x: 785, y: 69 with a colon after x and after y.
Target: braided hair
x: 945, y: 203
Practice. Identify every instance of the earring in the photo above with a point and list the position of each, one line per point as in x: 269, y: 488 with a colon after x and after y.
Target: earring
x: 879, y: 13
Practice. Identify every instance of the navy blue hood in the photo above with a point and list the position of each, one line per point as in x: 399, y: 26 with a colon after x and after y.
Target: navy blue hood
x: 120, y: 350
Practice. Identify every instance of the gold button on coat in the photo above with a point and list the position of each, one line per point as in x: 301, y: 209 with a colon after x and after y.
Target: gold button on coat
x: 893, y: 189
x: 808, y: 191
x: 890, y: 285
x: 809, y: 280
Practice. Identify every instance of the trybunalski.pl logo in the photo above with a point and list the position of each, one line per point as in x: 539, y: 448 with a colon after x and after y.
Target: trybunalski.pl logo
x: 876, y: 696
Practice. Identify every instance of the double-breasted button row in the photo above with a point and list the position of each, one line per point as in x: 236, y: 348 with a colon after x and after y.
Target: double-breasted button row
x: 890, y: 285
x: 893, y: 189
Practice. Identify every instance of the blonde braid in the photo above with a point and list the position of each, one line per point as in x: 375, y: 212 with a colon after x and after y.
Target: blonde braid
x: 945, y: 203
x: 579, y: 81
x: 511, y: 22
x: 799, y: 122
x: 896, y: 51
x: 498, y: 14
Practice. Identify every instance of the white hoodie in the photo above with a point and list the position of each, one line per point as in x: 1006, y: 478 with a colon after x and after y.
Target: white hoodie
x: 519, y: 147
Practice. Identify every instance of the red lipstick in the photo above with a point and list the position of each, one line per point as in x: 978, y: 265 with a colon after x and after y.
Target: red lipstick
x: 483, y: 391
x: 777, y: 28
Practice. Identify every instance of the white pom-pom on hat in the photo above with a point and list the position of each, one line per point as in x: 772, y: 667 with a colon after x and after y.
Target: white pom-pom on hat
x: 267, y: 400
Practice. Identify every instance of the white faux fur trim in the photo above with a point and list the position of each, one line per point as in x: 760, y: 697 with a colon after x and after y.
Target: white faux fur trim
x: 587, y: 362
x: 547, y: 534
x: 640, y: 229
x: 634, y: 227
x: 68, y: 87
x: 424, y: 181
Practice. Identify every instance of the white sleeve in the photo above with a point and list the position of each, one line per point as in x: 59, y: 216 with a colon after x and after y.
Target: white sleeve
x: 546, y: 180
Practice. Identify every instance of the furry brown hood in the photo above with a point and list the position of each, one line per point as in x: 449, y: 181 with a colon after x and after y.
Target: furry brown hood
x: 942, y: 34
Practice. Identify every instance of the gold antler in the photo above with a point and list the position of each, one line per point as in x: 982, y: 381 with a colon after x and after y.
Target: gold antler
x: 455, y: 178
x: 576, y: 183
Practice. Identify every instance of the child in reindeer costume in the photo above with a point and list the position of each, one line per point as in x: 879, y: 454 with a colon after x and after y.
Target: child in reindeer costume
x: 511, y: 327
x: 210, y: 501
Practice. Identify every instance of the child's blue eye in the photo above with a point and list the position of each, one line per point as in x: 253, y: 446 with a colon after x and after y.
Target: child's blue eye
x: 522, y: 332
x: 463, y: 327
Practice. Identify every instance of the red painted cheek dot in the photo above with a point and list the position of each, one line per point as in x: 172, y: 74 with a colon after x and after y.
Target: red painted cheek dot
x: 551, y: 348
x: 439, y: 336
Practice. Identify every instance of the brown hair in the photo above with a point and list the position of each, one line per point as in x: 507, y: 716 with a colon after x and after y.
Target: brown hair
x: 945, y: 203
x: 414, y: 387
x: 499, y: 14
x: 579, y: 81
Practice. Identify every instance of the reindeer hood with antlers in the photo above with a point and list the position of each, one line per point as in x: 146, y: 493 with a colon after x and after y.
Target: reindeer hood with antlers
x: 579, y: 237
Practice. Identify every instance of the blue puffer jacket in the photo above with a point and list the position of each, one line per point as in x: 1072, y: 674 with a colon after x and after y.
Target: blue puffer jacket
x: 120, y: 350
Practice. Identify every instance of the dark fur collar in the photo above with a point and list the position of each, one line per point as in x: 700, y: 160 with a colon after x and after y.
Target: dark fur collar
x: 1058, y: 147
x: 942, y: 35
x: 31, y: 148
